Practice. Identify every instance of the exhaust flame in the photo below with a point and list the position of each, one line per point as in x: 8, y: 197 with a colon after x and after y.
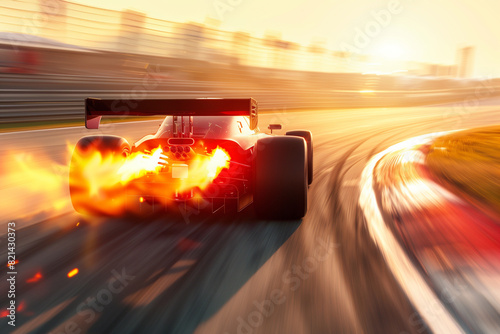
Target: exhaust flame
x: 203, y: 169
x: 219, y: 160
x: 139, y: 164
x: 99, y: 179
x: 105, y: 171
x: 107, y: 180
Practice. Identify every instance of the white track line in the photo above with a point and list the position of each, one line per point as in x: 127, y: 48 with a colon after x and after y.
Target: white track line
x: 425, y: 301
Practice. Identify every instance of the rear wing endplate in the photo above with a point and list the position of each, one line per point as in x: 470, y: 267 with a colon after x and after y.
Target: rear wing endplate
x: 96, y: 108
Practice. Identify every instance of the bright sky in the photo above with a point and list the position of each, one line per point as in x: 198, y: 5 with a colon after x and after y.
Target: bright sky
x: 420, y: 30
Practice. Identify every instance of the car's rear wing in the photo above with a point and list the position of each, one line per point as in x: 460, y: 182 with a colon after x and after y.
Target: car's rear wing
x: 96, y: 108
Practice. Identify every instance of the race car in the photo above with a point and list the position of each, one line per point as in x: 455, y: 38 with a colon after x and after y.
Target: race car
x: 207, y: 154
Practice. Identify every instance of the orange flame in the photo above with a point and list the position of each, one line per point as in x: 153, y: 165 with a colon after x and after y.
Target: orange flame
x: 139, y: 164
x: 107, y: 180
x: 204, y: 169
x: 38, y: 276
x: 73, y: 272
x: 100, y: 171
x: 219, y: 160
x: 40, y: 181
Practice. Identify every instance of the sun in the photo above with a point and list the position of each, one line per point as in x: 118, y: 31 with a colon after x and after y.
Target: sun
x: 389, y: 51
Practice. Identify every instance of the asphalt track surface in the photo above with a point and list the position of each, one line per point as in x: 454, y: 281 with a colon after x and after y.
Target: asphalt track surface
x: 323, y: 274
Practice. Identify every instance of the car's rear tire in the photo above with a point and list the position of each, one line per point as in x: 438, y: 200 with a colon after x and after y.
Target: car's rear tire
x: 280, y: 177
x: 307, y: 135
x: 81, y: 198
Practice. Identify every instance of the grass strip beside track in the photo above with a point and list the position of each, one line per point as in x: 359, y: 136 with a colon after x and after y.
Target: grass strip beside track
x: 38, y: 125
x: 470, y: 161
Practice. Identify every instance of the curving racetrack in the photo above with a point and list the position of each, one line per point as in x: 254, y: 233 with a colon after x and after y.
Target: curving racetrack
x: 323, y: 274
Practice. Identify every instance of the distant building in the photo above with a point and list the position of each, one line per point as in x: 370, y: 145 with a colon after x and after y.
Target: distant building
x: 51, y: 20
x: 190, y: 37
x: 465, y: 61
x: 132, y: 25
x: 431, y: 70
x: 446, y: 71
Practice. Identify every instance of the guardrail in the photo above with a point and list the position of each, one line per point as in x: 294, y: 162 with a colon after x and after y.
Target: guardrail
x: 48, y: 104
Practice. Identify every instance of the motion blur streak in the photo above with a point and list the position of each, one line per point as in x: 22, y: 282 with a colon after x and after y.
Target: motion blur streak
x: 455, y: 242
x: 147, y: 295
x: 396, y: 255
x: 430, y: 308
x: 468, y: 234
x: 211, y: 273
